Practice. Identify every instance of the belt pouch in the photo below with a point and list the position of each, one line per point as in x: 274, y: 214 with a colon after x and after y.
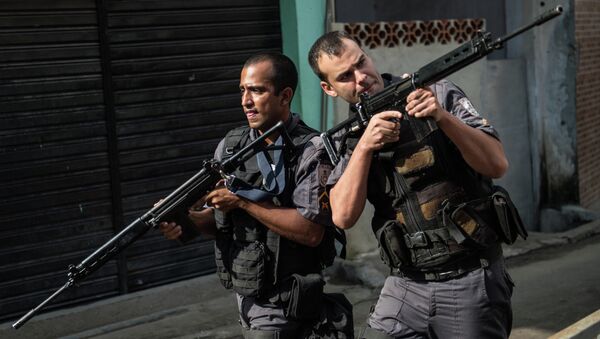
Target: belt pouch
x: 509, y: 219
x: 306, y: 296
x: 392, y: 248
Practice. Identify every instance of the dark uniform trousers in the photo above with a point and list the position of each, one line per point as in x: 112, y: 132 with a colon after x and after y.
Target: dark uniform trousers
x: 475, y: 305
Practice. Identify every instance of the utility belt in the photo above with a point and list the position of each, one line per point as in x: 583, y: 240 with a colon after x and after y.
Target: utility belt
x: 455, y: 268
x: 458, y: 231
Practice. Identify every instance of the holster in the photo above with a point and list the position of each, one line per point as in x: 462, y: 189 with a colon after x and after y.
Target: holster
x: 509, y: 219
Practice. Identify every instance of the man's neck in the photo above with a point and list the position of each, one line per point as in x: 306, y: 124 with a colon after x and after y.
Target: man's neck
x: 287, y: 119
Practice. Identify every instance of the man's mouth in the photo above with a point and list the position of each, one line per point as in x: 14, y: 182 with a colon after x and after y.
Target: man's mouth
x: 366, y: 90
x: 251, y: 114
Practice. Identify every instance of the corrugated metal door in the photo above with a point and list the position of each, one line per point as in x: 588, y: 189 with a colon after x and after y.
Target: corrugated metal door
x: 106, y: 106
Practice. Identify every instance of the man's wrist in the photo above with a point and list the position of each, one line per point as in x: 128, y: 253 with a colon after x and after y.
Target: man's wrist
x: 243, y: 203
x: 443, y: 117
x: 362, y: 149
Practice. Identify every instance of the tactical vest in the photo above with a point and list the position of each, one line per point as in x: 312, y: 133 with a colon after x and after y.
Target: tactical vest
x: 431, y: 208
x: 250, y: 258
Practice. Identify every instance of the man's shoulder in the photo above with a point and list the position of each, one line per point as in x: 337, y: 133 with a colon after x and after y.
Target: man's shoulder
x: 240, y: 130
x: 304, y: 136
x: 301, y: 129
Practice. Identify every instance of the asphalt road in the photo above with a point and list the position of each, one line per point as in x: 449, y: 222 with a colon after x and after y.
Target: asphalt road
x: 555, y: 287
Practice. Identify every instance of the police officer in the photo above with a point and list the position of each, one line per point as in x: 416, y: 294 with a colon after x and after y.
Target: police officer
x: 270, y: 246
x: 434, y: 217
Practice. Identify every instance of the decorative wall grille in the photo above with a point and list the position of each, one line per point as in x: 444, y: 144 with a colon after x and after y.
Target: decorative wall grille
x: 391, y: 34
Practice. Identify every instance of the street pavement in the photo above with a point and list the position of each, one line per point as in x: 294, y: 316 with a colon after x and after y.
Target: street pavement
x: 201, y: 308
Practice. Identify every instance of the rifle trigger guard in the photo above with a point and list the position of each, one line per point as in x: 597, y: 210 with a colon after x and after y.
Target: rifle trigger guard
x: 227, y: 177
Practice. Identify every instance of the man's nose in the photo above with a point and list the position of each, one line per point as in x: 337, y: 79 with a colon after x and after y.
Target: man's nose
x: 246, y: 99
x: 360, y: 77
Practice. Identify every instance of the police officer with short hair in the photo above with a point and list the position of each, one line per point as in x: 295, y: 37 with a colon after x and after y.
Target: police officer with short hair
x: 272, y: 239
x: 434, y: 218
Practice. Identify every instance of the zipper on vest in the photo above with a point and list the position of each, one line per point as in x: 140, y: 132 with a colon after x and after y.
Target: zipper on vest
x: 404, y: 190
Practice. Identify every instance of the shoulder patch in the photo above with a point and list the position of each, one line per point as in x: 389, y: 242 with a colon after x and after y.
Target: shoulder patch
x: 323, y: 171
x: 467, y: 105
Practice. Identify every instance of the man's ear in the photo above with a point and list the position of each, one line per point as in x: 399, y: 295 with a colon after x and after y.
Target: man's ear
x: 328, y: 89
x: 286, y: 95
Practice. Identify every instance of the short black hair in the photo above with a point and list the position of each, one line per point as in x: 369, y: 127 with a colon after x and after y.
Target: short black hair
x: 330, y: 44
x: 284, y: 71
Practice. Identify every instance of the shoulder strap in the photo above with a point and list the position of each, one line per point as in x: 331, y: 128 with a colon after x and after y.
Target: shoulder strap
x: 300, y: 132
x: 235, y: 139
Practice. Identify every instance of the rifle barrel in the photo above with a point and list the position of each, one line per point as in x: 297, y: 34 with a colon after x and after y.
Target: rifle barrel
x: 35, y: 310
x: 549, y: 14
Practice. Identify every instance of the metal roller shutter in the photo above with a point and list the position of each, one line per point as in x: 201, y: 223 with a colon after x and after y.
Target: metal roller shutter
x: 106, y: 106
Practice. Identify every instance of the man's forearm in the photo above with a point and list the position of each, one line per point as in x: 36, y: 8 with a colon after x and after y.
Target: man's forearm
x: 285, y: 221
x: 204, y: 221
x: 349, y: 195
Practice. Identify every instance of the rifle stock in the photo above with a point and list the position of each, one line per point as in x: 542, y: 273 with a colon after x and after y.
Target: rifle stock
x: 174, y: 207
x: 393, y: 97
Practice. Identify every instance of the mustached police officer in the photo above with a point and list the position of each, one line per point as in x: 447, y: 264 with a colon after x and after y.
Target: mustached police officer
x: 273, y: 239
x: 435, y: 215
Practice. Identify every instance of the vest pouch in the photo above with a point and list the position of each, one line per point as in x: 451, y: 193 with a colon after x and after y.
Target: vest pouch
x: 222, y: 247
x: 430, y: 248
x: 467, y: 225
x: 510, y: 224
x: 248, y: 267
x: 393, y: 250
x: 306, y: 296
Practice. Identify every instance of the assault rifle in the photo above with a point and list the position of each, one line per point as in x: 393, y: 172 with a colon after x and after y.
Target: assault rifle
x: 172, y: 208
x: 393, y: 97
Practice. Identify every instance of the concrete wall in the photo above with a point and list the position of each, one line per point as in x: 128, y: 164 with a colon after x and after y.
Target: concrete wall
x: 550, y: 56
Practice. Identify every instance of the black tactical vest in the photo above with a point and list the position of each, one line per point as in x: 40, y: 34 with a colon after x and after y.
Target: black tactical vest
x: 431, y: 208
x: 250, y: 258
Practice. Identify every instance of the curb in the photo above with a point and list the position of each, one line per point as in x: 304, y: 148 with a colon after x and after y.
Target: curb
x: 539, y: 240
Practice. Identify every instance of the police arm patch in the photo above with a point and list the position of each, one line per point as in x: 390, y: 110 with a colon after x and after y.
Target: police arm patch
x: 323, y: 172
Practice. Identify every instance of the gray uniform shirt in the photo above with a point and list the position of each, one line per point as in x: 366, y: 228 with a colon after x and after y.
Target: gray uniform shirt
x: 309, y: 195
x: 452, y: 99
